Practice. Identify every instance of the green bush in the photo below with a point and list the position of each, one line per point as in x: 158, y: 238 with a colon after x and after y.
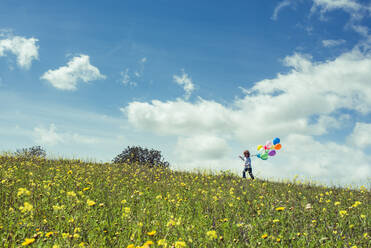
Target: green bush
x: 34, y: 151
x: 142, y: 156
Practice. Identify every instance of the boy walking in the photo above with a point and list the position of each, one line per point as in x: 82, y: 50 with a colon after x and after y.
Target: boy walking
x: 247, y: 161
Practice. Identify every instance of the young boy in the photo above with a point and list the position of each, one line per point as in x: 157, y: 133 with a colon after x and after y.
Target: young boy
x: 247, y: 161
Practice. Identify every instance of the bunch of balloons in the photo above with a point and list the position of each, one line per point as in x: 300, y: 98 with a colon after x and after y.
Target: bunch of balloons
x: 269, y: 149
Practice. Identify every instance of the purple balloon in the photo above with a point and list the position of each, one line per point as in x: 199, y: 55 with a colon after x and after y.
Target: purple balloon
x: 272, y: 153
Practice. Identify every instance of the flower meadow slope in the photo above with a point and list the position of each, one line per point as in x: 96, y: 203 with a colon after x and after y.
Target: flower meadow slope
x: 69, y: 203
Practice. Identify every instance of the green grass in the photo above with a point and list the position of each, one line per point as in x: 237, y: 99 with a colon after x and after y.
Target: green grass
x: 69, y: 203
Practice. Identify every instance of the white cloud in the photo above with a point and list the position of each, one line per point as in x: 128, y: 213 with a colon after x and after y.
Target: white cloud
x: 77, y: 69
x: 201, y: 147
x: 356, y: 10
x: 185, y: 81
x: 361, y: 135
x: 279, y: 7
x: 49, y: 136
x: 126, y: 79
x: 24, y: 49
x: 331, y: 43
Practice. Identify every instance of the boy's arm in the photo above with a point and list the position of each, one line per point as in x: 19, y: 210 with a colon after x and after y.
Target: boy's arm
x: 241, y: 158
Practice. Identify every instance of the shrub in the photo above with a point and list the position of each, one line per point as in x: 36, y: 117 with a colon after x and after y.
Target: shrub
x: 34, y: 151
x: 140, y: 155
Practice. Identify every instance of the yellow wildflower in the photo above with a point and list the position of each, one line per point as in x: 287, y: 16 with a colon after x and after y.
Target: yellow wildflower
x: 180, y: 244
x: 211, y: 234
x: 90, y: 202
x: 23, y: 191
x: 71, y: 193
x: 356, y: 204
x: 48, y: 234
x: 152, y: 233
x: 147, y: 243
x: 264, y: 236
x: 26, y: 207
x: 275, y: 221
x: 342, y: 213
x: 162, y: 242
x: 28, y: 241
x: 337, y: 203
x: 130, y: 246
x: 280, y: 208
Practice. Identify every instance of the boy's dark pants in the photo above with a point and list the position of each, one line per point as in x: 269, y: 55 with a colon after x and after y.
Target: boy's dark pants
x: 250, y: 173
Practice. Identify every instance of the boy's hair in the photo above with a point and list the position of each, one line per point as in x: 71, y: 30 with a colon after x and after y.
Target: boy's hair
x: 246, y: 153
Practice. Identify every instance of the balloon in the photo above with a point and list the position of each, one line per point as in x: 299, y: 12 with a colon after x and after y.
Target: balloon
x: 259, y: 147
x: 272, y: 153
x: 268, y: 144
x: 276, y: 141
x: 265, y: 147
x: 278, y: 146
x: 258, y: 155
x: 264, y: 156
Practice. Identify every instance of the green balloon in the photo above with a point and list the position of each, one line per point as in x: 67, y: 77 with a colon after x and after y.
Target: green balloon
x: 264, y: 156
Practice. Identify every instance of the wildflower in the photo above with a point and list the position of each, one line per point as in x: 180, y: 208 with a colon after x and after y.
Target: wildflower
x: 48, y: 234
x: 342, y: 213
x: 275, y: 221
x: 363, y: 216
x: 127, y: 210
x: 26, y: 207
x: 152, y: 233
x: 28, y: 241
x: 356, y: 204
x: 23, y: 191
x: 280, y: 208
x: 123, y: 201
x: 147, y: 243
x: 365, y: 235
x: 212, y: 234
x: 130, y: 246
x: 82, y: 244
x: 55, y: 246
x: 71, y: 194
x: 69, y: 172
x: 308, y: 206
x: 180, y: 244
x: 337, y: 203
x: 162, y: 242
x: 264, y: 236
x: 90, y: 202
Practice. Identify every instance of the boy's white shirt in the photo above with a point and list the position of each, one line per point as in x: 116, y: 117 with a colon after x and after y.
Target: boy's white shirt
x: 247, y: 161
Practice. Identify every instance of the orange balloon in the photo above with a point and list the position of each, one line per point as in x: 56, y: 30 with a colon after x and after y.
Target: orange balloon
x: 277, y: 146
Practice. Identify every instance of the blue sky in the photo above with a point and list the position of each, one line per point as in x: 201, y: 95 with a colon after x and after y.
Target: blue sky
x: 199, y: 80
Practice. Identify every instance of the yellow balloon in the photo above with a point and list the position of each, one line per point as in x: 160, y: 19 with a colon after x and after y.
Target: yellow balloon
x: 259, y: 147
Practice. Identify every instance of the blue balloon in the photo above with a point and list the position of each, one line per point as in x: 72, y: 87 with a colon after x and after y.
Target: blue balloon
x: 258, y: 155
x: 276, y: 141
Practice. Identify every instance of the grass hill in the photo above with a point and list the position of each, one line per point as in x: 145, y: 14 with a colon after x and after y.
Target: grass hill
x: 70, y: 203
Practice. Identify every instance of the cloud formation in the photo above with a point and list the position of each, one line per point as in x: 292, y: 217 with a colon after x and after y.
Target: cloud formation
x: 332, y: 43
x: 26, y: 50
x: 279, y: 7
x: 77, y: 69
x: 50, y: 136
x: 185, y: 81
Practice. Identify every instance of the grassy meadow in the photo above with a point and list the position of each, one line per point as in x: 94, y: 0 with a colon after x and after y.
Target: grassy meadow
x: 70, y: 203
